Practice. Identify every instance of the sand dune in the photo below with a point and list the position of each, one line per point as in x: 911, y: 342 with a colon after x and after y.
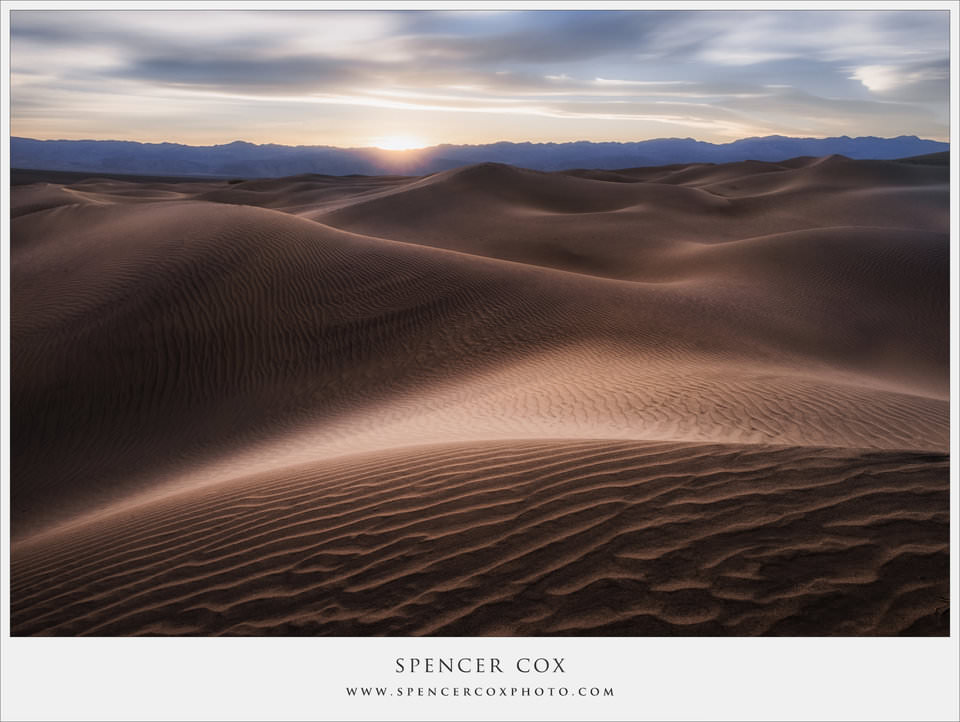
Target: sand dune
x: 708, y: 400
x: 619, y: 229
x: 592, y: 537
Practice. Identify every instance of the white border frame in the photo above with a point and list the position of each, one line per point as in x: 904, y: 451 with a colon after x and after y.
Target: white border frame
x: 654, y: 678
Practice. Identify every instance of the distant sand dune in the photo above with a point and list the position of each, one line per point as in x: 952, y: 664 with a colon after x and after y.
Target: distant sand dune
x: 619, y: 229
x: 367, y: 370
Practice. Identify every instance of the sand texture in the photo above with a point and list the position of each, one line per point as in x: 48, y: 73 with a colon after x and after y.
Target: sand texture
x: 683, y: 400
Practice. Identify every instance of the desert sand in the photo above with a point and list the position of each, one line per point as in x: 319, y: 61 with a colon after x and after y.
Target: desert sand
x: 683, y: 400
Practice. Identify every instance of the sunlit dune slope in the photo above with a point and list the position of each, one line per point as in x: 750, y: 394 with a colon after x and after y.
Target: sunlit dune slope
x: 590, y: 537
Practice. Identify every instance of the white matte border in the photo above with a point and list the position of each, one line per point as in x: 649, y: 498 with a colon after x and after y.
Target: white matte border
x: 306, y: 679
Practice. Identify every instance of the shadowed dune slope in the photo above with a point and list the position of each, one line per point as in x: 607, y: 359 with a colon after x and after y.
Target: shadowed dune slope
x: 176, y: 332
x: 591, y: 537
x: 682, y: 400
x: 620, y: 230
x: 174, y: 327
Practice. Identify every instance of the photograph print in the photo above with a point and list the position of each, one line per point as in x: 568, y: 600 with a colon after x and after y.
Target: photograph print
x: 500, y: 323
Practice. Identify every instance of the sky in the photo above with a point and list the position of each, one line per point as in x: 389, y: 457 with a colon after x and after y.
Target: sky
x: 402, y: 79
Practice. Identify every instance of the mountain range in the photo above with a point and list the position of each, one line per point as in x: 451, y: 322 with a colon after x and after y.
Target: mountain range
x: 243, y: 159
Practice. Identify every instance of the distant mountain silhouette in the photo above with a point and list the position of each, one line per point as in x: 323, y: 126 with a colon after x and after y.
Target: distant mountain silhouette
x: 242, y: 159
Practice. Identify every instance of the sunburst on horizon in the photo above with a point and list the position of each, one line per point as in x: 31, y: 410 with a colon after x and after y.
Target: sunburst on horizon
x: 399, y: 142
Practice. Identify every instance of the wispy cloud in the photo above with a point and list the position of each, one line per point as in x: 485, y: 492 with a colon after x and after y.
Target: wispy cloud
x: 338, y: 76
x: 908, y: 81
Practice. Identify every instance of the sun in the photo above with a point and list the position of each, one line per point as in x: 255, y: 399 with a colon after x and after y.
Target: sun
x: 398, y: 142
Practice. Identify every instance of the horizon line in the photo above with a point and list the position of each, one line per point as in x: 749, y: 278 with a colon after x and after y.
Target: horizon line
x: 477, y: 145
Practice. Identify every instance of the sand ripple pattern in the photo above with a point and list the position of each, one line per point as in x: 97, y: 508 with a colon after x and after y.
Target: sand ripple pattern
x: 589, y: 537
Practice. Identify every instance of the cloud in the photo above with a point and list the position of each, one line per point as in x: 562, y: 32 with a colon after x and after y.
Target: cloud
x: 747, y: 38
x: 306, y: 74
x: 720, y: 72
x: 260, y: 34
x: 810, y: 114
x: 912, y: 81
x: 549, y: 37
